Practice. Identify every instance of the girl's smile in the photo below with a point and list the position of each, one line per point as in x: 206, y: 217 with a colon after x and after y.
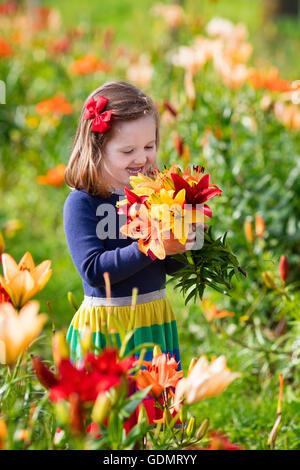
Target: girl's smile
x: 130, y: 150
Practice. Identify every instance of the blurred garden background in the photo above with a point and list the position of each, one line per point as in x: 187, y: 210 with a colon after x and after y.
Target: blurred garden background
x: 225, y: 77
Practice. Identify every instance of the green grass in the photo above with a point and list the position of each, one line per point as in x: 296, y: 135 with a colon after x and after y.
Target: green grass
x: 246, y: 411
x: 265, y: 162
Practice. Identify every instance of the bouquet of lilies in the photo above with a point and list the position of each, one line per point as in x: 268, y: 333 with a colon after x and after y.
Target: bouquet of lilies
x: 165, y: 205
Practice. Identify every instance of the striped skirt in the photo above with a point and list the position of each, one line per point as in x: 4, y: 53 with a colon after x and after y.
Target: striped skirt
x: 154, y: 322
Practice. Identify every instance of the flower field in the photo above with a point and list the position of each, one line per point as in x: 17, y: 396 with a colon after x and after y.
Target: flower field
x: 225, y: 79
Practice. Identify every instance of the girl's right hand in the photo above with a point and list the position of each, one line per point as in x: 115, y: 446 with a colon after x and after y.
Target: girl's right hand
x: 172, y: 246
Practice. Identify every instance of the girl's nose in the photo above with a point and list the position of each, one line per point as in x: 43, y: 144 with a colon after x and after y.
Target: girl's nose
x: 140, y: 161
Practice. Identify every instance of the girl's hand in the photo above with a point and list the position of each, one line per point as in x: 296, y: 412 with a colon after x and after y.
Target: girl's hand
x: 173, y: 246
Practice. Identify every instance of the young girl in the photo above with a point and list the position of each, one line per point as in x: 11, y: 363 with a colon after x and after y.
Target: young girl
x: 117, y: 136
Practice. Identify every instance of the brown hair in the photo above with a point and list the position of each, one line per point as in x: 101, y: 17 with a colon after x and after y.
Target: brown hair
x: 128, y: 103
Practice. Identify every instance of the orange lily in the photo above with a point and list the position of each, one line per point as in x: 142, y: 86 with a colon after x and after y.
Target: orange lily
x: 54, y: 177
x: 161, y: 373
x: 145, y: 229
x: 89, y: 64
x: 18, y: 330
x: 270, y: 80
x: 5, y: 49
x: 57, y: 105
x: 211, y: 312
x: 22, y: 281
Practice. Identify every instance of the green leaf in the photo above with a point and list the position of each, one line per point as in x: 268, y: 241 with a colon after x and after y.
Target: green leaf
x: 135, y: 434
x: 134, y: 402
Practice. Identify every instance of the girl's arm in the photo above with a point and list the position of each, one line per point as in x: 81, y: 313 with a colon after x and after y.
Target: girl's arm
x: 172, y: 265
x: 88, y: 253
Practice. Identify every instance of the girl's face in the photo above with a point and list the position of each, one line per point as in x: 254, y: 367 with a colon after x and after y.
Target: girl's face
x: 130, y: 150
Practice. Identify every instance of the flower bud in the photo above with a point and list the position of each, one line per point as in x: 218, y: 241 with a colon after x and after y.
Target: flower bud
x: 101, y: 408
x: 61, y: 412
x: 143, y: 416
x: 284, y: 268
x: 73, y: 301
x: 43, y: 373
x: 178, y: 144
x: 182, y: 414
x: 190, y: 430
x: 60, y: 348
x: 268, y: 279
x: 156, y: 350
x: 59, y: 437
x: 192, y: 364
x: 167, y: 417
x: 75, y: 415
x: 117, y: 392
x: 259, y: 226
x: 249, y: 230
x: 202, y: 429
x: 170, y: 108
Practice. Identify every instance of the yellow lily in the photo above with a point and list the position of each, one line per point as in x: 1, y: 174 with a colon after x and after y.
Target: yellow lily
x: 18, y: 330
x: 140, y: 179
x: 143, y: 191
x: 22, y: 281
x: 167, y: 209
x: 172, y: 213
x: 160, y: 181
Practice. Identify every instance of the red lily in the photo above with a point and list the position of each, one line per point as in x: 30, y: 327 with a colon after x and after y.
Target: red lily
x: 98, y: 374
x: 108, y: 363
x: 220, y: 442
x: 78, y: 381
x: 131, y: 198
x: 198, y: 193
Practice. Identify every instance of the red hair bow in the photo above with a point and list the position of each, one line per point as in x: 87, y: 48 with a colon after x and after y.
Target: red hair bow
x: 101, y: 122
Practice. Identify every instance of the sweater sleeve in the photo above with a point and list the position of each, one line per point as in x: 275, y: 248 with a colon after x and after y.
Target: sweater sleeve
x: 172, y: 265
x: 88, y: 253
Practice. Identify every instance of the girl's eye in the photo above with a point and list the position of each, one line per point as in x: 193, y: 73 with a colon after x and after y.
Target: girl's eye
x: 149, y: 147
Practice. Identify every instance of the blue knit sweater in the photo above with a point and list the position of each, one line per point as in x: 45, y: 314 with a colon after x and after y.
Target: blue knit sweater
x: 128, y: 267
